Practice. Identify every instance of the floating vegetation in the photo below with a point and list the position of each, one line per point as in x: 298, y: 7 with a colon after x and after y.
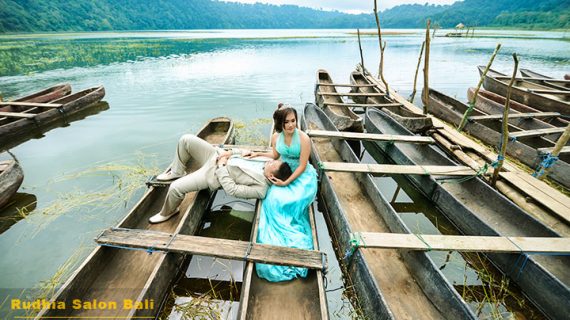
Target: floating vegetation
x: 126, y: 181
x: 252, y: 133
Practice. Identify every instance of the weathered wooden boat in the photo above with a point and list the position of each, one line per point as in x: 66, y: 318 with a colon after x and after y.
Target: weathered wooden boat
x: 532, y: 94
x: 549, y: 81
x: 11, y: 177
x: 112, y: 274
x: 411, y: 120
x: 331, y: 101
x: 498, y: 101
x: 486, y: 125
x: 26, y: 119
x: 296, y: 299
x: 46, y: 95
x: 477, y: 209
x: 17, y: 208
x: 390, y: 284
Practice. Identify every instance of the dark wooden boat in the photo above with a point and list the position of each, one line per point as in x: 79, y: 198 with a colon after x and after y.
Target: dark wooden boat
x: 477, y: 209
x: 11, y: 177
x: 529, y: 150
x: 535, y: 95
x: 536, y: 77
x: 390, y: 284
x: 344, y: 118
x: 411, y: 120
x: 46, y: 95
x: 17, y: 208
x: 22, y: 122
x: 115, y: 274
x: 494, y: 100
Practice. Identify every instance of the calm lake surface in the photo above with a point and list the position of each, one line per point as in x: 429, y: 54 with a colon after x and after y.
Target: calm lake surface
x: 159, y: 85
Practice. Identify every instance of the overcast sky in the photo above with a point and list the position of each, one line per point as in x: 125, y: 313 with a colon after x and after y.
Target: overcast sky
x: 351, y: 6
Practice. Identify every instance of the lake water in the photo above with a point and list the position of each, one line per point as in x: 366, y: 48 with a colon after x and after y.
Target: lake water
x: 160, y: 85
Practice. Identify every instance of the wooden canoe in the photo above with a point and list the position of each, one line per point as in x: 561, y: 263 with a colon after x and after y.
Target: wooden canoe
x: 46, y: 95
x: 343, y: 118
x: 531, y: 94
x: 296, y: 299
x: 24, y: 122
x: 413, y: 121
x: 11, y: 177
x: 478, y: 209
x: 528, y: 150
x: 11, y: 213
x: 390, y: 284
x: 116, y: 274
x: 546, y: 80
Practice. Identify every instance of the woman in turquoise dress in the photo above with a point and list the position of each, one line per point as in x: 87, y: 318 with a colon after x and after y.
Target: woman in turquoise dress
x: 284, y: 219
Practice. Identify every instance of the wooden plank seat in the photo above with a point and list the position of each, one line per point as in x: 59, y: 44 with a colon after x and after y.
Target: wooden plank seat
x: 565, y: 149
x: 535, y: 133
x: 351, y: 94
x: 363, y: 105
x: 221, y: 248
x: 392, y: 169
x: 369, y: 136
x: 516, y: 115
x: 32, y: 104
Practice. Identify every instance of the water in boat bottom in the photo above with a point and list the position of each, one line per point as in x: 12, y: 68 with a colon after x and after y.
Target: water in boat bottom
x: 485, y: 289
x: 211, y: 287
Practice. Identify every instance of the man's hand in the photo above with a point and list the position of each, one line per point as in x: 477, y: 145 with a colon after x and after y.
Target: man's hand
x: 248, y: 154
x: 222, y: 160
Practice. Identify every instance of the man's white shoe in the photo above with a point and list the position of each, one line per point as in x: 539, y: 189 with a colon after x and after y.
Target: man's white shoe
x: 168, y: 176
x: 158, y: 218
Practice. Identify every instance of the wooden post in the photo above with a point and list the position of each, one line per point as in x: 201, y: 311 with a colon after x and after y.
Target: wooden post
x: 412, y: 96
x: 476, y: 94
x: 382, y: 47
x: 542, y: 171
x: 425, y: 96
x: 360, y: 48
x: 505, y: 136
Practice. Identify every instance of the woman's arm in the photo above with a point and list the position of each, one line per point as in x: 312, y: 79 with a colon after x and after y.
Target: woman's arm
x: 273, y: 154
x: 303, y: 160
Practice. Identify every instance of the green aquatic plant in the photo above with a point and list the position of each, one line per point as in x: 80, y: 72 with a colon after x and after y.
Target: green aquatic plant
x: 252, y: 133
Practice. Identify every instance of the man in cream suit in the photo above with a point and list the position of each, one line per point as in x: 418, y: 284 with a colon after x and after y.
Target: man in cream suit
x: 238, y: 176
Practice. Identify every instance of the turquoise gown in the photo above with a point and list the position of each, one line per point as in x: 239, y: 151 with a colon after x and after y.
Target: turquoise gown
x: 284, y: 218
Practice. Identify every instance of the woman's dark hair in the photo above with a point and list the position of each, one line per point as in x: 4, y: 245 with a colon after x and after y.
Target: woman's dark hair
x: 284, y: 171
x: 280, y: 115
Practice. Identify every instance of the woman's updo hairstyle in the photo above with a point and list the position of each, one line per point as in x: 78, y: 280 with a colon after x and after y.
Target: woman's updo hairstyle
x: 280, y: 114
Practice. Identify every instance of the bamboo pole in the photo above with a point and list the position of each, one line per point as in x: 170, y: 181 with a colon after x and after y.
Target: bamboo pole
x: 476, y: 94
x: 382, y: 47
x: 413, y: 95
x: 360, y: 48
x: 425, y: 96
x: 505, y: 137
x: 545, y: 166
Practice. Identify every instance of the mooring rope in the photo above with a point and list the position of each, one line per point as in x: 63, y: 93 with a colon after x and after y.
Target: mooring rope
x: 547, y: 162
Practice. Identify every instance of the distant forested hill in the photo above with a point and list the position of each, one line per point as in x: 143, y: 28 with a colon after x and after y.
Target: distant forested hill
x: 100, y: 15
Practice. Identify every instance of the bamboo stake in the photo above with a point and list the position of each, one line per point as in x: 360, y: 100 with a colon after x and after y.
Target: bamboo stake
x: 360, y: 48
x: 545, y: 166
x: 476, y: 94
x: 413, y: 95
x: 425, y: 96
x: 382, y: 47
x: 501, y: 156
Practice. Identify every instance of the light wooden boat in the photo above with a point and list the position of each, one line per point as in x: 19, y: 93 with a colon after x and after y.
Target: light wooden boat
x: 528, y: 150
x: 343, y: 118
x: 46, y: 95
x: 112, y: 274
x: 478, y: 209
x: 546, y: 80
x: 11, y: 177
x: 535, y: 95
x: 389, y: 284
x: 22, y: 122
x: 413, y: 121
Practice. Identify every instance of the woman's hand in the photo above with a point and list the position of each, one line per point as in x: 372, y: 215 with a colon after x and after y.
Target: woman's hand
x: 278, y: 182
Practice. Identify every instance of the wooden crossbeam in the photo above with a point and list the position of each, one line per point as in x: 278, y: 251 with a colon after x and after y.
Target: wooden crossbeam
x: 213, y: 247
x: 364, y: 105
x: 31, y: 104
x: 530, y: 78
x: 369, y: 136
x: 397, y: 169
x: 535, y: 133
x: 17, y: 115
x: 555, y: 92
x: 351, y: 94
x: 516, y: 115
x: 565, y: 149
x: 427, y: 242
x: 348, y: 85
